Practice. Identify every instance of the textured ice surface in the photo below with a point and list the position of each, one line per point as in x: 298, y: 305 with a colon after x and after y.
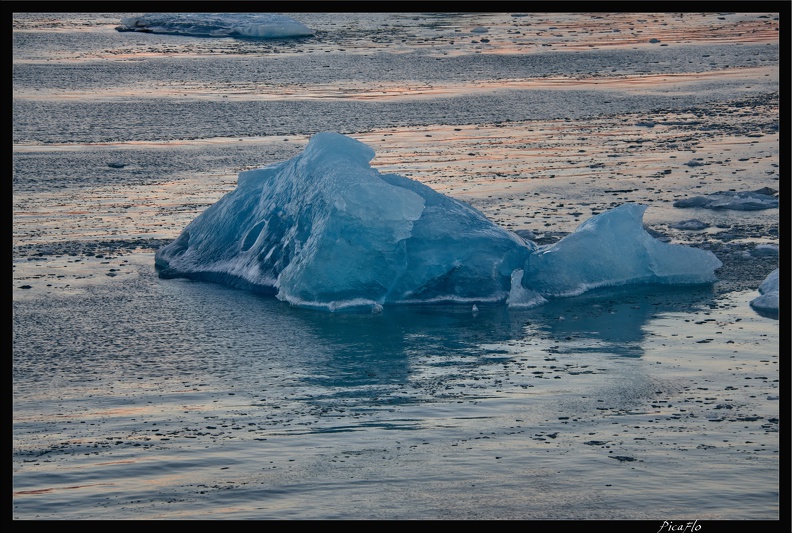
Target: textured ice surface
x: 249, y: 25
x: 326, y: 230
x: 738, y: 201
x: 768, y: 301
x: 612, y: 249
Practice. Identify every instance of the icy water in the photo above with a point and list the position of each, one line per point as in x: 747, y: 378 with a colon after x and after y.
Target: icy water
x: 141, y: 398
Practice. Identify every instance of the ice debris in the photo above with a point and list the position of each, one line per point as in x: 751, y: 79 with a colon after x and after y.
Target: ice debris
x: 768, y: 289
x: 326, y: 230
x: 241, y: 25
x: 764, y: 198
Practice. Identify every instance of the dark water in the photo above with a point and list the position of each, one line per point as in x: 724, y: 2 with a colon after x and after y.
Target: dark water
x: 174, y: 399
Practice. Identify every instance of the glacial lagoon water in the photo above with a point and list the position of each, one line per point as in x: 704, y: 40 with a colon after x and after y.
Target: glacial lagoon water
x: 139, y: 397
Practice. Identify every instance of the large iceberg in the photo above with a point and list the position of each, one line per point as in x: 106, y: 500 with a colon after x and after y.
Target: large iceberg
x: 241, y: 25
x: 326, y: 230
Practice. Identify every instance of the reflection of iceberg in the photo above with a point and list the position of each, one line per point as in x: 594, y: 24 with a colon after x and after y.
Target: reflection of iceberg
x: 767, y: 303
x: 611, y: 320
x: 326, y: 230
x: 250, y: 25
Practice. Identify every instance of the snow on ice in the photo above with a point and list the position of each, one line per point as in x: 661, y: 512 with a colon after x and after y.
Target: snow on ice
x: 243, y: 25
x: 326, y: 230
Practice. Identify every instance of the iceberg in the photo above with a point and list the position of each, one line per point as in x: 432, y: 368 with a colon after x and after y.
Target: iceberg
x: 325, y: 230
x: 612, y: 249
x: 768, y: 289
x: 240, y: 25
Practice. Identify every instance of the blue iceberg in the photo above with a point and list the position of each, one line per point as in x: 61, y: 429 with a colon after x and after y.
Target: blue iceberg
x: 326, y: 230
x: 240, y: 25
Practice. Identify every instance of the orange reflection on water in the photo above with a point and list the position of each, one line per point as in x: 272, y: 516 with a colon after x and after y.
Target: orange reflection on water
x: 53, y: 489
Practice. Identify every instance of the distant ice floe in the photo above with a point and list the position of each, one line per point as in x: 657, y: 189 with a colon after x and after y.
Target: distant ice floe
x: 739, y: 201
x: 241, y: 25
x: 765, y: 250
x: 767, y: 303
x: 325, y: 230
x: 690, y: 225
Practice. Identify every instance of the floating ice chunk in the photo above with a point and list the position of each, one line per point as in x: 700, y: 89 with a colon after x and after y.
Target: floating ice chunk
x: 765, y: 250
x: 768, y: 301
x: 479, y: 29
x: 526, y: 234
x: 245, y: 25
x: 739, y: 201
x: 326, y: 230
x: 612, y: 249
x: 690, y: 225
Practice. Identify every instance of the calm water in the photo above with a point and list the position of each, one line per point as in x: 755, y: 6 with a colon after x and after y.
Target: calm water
x: 135, y: 397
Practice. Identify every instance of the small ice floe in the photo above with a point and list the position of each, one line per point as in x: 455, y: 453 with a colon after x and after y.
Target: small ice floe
x: 767, y: 303
x: 116, y: 164
x: 526, y: 234
x: 657, y: 235
x: 690, y: 225
x: 764, y: 198
x: 765, y: 250
x: 479, y: 29
x: 240, y: 25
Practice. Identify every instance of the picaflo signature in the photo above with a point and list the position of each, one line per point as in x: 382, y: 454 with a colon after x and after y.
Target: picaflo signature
x: 679, y: 527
